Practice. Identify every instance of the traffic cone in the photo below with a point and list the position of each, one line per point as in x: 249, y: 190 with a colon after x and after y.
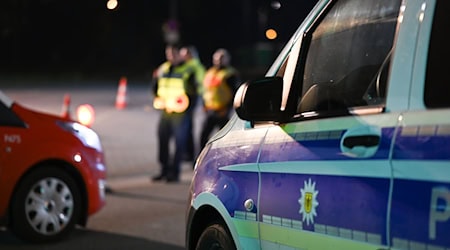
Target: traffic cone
x: 65, y: 111
x: 121, y: 98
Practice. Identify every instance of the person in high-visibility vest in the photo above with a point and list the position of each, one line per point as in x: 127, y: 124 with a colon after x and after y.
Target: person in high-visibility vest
x: 218, y: 88
x: 190, y: 55
x: 175, y: 91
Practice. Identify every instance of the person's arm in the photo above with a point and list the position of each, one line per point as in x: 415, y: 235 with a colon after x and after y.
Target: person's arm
x: 233, y: 82
x: 191, y: 89
x: 154, y: 81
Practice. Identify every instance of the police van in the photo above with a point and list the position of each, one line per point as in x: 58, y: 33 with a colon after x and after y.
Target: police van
x: 344, y: 144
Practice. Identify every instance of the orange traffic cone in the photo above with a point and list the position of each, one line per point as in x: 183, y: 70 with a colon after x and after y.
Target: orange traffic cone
x: 65, y: 111
x: 121, y: 98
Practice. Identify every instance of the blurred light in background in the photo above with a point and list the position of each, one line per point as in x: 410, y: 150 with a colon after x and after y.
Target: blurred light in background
x: 171, y: 31
x: 271, y: 34
x: 85, y: 114
x: 111, y: 4
x: 275, y: 5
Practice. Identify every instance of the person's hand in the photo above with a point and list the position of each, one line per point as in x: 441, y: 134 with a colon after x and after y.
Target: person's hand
x: 158, y: 103
x: 222, y: 113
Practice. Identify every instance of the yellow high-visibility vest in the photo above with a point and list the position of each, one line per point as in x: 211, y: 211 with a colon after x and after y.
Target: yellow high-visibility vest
x: 171, y: 92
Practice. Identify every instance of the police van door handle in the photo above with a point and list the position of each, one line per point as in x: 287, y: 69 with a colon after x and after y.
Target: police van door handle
x: 360, y: 146
x: 361, y: 140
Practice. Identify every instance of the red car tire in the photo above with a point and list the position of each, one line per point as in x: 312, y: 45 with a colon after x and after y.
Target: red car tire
x: 46, y: 205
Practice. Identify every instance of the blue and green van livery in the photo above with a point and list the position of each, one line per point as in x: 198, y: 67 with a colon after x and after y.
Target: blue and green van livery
x: 344, y: 144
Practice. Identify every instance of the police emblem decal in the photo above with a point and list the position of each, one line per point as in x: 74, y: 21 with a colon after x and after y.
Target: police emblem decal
x: 308, y: 201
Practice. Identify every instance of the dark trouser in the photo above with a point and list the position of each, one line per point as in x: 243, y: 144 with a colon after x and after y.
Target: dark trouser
x: 172, y: 125
x: 190, y: 148
x: 213, y: 120
x: 190, y: 152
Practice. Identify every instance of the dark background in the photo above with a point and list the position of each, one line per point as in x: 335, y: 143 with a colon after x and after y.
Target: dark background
x: 83, y: 39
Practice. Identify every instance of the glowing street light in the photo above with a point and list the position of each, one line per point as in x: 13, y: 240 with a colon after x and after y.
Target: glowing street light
x: 112, y: 4
x: 275, y: 5
x: 271, y: 34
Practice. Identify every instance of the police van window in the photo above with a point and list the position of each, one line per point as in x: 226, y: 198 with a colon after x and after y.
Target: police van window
x: 437, y: 88
x: 346, y: 62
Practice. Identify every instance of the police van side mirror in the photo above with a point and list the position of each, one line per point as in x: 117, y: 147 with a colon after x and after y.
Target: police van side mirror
x: 260, y: 100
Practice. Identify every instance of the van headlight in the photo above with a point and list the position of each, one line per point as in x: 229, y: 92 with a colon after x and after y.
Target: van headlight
x: 86, y: 135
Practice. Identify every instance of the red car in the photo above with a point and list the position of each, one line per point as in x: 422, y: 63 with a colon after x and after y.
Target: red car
x: 52, y: 173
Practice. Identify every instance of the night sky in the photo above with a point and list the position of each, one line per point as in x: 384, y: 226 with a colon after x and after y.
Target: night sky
x: 83, y: 36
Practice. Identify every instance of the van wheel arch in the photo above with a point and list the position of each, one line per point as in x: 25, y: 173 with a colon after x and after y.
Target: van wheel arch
x: 206, y: 218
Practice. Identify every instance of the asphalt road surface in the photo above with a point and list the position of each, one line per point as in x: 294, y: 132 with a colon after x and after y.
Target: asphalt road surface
x: 139, y: 214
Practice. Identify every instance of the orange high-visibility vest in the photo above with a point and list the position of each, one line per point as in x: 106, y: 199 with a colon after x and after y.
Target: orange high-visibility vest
x: 217, y: 94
